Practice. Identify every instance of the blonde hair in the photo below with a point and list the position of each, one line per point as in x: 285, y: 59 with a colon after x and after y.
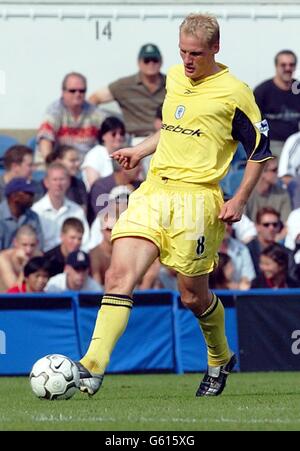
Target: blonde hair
x: 194, y: 23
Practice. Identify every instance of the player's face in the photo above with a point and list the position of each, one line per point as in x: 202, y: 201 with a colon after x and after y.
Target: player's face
x: 285, y: 67
x: 197, y: 56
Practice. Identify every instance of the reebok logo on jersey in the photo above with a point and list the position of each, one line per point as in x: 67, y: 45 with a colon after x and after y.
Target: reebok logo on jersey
x: 263, y: 127
x: 183, y: 131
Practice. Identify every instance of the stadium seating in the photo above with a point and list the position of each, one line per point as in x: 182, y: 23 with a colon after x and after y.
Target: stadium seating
x: 32, y: 143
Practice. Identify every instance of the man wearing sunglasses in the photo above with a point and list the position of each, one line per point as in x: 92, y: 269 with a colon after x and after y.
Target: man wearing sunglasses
x: 71, y: 120
x: 268, y: 225
x: 278, y: 101
x: 138, y: 95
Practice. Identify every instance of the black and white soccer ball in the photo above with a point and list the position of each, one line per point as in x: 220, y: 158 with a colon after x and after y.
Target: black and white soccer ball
x: 54, y: 377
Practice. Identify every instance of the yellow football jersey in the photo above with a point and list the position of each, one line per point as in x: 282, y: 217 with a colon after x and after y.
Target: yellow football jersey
x: 202, y: 124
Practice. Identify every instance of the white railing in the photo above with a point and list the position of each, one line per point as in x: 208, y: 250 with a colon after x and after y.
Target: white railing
x: 67, y: 12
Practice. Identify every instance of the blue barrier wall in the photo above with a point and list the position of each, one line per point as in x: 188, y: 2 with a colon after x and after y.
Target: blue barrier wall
x: 148, y: 343
x: 161, y: 334
x: 34, y: 327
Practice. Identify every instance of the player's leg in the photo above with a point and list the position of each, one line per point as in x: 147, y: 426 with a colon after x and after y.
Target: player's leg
x: 209, y: 311
x: 131, y: 257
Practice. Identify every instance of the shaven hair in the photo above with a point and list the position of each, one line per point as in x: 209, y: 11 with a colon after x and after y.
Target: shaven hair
x: 195, y: 23
x: 27, y: 230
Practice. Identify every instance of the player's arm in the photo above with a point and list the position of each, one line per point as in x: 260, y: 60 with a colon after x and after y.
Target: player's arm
x: 253, y: 134
x: 129, y: 157
x: 103, y: 95
x: 233, y: 209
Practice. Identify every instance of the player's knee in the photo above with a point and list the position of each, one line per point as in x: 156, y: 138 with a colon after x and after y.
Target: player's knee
x: 192, y: 301
x: 189, y: 300
x: 117, y: 280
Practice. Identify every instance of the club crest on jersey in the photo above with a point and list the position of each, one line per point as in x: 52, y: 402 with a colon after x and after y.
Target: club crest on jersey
x: 180, y: 110
x: 263, y: 127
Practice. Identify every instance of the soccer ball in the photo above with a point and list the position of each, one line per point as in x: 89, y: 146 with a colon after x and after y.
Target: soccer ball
x: 54, y: 377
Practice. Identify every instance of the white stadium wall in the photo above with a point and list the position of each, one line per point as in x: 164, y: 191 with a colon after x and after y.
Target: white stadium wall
x: 40, y: 43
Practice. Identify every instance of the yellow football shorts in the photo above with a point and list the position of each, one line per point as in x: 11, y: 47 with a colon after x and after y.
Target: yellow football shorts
x: 180, y: 218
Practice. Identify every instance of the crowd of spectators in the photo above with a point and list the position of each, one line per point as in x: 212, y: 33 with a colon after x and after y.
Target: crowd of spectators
x: 55, y: 230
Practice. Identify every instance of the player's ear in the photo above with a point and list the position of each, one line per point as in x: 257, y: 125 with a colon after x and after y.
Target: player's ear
x: 216, y: 47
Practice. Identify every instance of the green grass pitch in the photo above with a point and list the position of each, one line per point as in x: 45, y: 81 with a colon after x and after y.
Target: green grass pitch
x: 165, y: 402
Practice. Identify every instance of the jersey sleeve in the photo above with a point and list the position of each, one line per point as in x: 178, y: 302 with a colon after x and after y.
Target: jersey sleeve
x: 250, y: 128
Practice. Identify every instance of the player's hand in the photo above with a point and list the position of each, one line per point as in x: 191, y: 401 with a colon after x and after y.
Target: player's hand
x: 232, y: 210
x: 128, y: 157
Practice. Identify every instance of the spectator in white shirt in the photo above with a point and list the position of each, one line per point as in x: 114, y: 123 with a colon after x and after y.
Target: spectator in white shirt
x: 244, y: 271
x: 289, y: 163
x: 293, y: 229
x: 55, y: 207
x: 97, y: 162
x: 75, y: 276
x: 244, y: 230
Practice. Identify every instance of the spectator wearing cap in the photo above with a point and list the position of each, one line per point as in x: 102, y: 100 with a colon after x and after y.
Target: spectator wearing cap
x: 54, y: 208
x: 15, y: 211
x: 97, y: 162
x: 70, y: 121
x: 138, y: 95
x: 75, y: 276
